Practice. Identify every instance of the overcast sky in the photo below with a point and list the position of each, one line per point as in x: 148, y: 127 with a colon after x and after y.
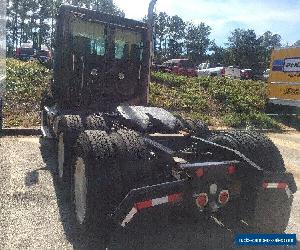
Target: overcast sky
x: 282, y: 17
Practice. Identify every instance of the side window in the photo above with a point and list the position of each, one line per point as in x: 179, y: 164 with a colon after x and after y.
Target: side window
x: 98, y: 46
x: 88, y: 37
x: 121, y: 49
x: 128, y: 45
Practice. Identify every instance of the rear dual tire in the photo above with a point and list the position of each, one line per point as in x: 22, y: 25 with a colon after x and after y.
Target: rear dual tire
x: 106, y: 168
x: 69, y: 127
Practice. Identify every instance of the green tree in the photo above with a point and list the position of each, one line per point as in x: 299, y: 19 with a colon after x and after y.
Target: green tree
x: 268, y: 42
x: 28, y: 19
x: 244, y: 49
x: 219, y: 54
x: 197, y: 41
x: 160, y: 34
x: 176, y: 35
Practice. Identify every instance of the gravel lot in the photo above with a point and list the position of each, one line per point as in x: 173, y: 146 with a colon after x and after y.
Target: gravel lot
x: 35, y: 213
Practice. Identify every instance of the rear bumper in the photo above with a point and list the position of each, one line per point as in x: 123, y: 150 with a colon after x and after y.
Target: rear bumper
x: 285, y: 102
x: 186, y: 191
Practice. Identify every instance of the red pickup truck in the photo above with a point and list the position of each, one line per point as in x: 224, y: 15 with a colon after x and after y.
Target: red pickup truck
x: 178, y: 66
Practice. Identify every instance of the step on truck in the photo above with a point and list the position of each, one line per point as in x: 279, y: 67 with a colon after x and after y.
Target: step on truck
x: 117, y: 156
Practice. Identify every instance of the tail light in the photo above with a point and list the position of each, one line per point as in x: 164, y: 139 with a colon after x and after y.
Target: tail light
x: 223, y: 197
x: 199, y: 172
x: 231, y: 169
x: 223, y: 72
x: 202, y: 200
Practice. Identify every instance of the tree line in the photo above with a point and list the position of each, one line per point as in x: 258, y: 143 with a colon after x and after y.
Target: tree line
x: 34, y: 20
x: 175, y: 38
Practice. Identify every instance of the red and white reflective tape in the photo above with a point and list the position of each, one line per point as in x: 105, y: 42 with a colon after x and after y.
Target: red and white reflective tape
x: 129, y: 216
x: 278, y: 185
x: 150, y: 203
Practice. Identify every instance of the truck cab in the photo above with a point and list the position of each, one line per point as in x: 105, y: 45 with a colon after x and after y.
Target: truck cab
x: 98, y: 61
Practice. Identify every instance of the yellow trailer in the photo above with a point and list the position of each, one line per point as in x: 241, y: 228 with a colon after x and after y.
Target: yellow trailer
x: 284, y: 78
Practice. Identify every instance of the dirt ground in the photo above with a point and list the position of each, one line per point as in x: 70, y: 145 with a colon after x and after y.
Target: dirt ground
x: 35, y: 213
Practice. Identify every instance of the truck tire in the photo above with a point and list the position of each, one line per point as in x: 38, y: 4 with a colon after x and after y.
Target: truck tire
x: 96, y: 180
x: 69, y: 126
x: 264, y: 210
x: 255, y: 146
x: 270, y: 211
x: 197, y: 127
x: 133, y: 159
x: 95, y: 122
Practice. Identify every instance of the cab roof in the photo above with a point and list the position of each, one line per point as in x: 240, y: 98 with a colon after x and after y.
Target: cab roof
x: 93, y: 15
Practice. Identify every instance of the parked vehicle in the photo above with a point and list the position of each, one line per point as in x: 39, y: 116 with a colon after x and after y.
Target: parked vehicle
x: 247, y: 74
x: 118, y: 157
x: 44, y: 54
x: 284, y: 79
x: 178, y: 66
x: 266, y: 74
x: 26, y: 52
x: 209, y: 69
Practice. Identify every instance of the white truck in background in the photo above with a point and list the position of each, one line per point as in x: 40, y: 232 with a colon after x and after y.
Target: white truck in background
x: 209, y: 69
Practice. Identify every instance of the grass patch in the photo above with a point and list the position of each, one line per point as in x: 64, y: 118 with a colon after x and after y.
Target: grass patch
x: 25, y: 83
x: 218, y: 100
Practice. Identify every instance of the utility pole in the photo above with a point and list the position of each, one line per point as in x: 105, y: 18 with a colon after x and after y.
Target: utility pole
x: 151, y: 26
x: 52, y: 23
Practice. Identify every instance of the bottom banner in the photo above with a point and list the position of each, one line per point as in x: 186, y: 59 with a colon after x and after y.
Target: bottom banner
x: 265, y: 239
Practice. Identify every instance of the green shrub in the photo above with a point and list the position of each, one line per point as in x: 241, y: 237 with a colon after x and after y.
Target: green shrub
x: 25, y: 83
x: 251, y: 120
x: 240, y: 102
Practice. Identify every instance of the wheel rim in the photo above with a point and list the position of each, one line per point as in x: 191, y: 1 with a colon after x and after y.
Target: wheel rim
x: 80, y: 190
x: 61, y: 155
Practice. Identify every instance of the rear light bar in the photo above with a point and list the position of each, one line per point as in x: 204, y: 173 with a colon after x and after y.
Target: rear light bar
x: 199, y: 169
x: 138, y: 206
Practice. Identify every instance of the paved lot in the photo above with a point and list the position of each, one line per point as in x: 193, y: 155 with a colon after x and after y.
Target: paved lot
x: 35, y: 213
